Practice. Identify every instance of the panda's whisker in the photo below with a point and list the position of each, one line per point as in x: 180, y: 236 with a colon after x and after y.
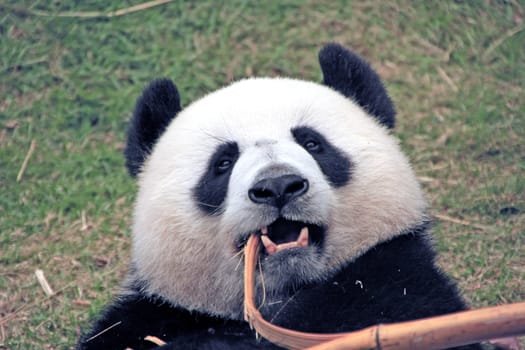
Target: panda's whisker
x: 239, y: 255
x: 207, y: 204
x: 236, y: 255
x: 212, y: 136
x: 216, y: 208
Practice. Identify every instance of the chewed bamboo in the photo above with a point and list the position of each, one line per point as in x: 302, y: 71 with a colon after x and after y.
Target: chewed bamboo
x: 430, y: 333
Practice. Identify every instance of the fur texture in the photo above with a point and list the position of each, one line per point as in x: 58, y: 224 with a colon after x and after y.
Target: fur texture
x: 278, y: 155
x: 172, y: 245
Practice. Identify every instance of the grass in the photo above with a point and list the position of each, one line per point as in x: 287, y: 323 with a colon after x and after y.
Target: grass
x: 455, y: 69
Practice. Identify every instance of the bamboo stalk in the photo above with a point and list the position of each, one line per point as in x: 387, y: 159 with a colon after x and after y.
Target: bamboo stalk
x: 277, y: 335
x: 430, y: 333
x: 442, y: 332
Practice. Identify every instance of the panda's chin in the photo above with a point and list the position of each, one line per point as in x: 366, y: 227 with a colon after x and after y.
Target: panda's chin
x: 292, y: 268
x: 291, y: 254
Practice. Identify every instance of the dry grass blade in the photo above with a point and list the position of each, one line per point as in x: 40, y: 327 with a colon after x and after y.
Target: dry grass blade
x: 26, y: 161
x: 97, y: 14
x: 447, y: 79
x: 459, y: 221
x: 104, y: 331
x: 509, y: 33
x: 43, y: 282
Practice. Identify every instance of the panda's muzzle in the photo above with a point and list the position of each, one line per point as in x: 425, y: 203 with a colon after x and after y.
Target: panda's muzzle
x: 282, y: 193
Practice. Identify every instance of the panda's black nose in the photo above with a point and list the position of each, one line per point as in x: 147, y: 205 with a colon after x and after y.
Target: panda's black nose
x: 278, y: 191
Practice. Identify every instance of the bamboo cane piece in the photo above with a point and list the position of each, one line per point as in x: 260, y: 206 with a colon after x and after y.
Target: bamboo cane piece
x: 281, y: 336
x: 430, y: 333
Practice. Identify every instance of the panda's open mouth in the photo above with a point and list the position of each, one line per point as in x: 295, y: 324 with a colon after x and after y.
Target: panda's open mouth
x: 285, y: 234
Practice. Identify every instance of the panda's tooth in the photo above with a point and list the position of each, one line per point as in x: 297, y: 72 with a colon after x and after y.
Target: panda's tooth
x: 271, y: 247
x: 284, y: 246
x: 302, y: 241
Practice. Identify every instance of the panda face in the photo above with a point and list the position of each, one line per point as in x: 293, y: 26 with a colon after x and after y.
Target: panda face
x: 296, y: 162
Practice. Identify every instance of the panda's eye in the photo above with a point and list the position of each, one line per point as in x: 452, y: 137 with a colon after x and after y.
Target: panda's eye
x: 312, y: 146
x: 223, y: 165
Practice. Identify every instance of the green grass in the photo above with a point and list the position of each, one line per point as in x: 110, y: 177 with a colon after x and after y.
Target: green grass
x: 69, y: 84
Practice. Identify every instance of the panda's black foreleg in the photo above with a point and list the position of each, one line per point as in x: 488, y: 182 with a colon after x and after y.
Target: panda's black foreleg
x: 129, y: 319
x: 125, y: 323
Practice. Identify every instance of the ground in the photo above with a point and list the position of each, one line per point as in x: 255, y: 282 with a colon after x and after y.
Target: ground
x: 455, y: 69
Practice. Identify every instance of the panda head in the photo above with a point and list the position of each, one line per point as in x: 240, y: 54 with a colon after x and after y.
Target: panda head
x: 311, y: 167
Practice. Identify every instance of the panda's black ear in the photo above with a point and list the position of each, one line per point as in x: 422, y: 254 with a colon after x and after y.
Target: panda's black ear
x: 158, y: 105
x: 353, y: 77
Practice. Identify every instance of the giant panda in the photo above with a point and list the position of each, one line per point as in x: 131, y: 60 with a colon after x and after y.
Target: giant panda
x: 313, y: 169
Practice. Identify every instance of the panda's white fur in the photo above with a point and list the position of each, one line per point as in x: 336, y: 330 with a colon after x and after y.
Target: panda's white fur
x: 191, y: 259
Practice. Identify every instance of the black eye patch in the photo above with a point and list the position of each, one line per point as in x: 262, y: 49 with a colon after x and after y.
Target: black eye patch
x: 333, y: 162
x: 212, y: 188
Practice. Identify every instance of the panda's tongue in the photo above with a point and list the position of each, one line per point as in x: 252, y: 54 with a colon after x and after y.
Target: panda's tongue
x: 272, y: 247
